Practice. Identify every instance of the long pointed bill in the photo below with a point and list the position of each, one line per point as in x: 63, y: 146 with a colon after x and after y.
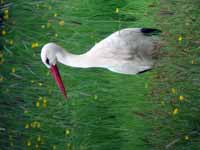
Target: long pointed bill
x: 56, y: 75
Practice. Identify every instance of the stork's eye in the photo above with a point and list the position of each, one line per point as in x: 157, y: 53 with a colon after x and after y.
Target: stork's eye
x: 47, y: 61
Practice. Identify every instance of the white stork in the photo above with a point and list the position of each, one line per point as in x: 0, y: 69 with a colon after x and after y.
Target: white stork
x: 127, y: 51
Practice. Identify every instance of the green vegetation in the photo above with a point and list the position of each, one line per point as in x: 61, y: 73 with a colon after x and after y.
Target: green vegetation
x: 175, y: 86
x: 103, y: 111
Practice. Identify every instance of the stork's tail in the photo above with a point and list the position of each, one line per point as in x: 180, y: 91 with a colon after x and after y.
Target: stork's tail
x: 150, y: 31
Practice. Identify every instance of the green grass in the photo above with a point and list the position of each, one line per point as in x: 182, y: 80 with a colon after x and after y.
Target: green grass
x: 104, y: 110
x: 178, y: 75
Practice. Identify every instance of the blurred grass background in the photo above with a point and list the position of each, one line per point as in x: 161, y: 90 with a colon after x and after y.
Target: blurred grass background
x: 104, y: 110
x: 156, y: 110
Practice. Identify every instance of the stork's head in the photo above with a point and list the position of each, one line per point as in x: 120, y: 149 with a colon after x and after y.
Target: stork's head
x: 48, y: 54
x: 49, y: 58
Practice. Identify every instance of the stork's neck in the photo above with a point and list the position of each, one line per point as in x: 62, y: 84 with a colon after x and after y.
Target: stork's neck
x: 73, y: 60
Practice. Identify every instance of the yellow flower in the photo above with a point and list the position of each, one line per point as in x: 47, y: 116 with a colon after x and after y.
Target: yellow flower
x: 27, y: 126
x: 33, y: 124
x: 37, y: 104
x: 193, y: 62
x: 28, y: 143
x: 36, y: 146
x: 1, y: 78
x: 117, y: 10
x: 38, y: 125
x: 39, y: 138
x: 6, y: 16
x: 67, y: 132
x: 40, y: 84
x: 61, y: 23
x: 25, y: 112
x: 34, y: 45
x: 180, y: 38
x: 186, y: 137
x: 6, y: 11
x: 54, y: 147
x: 173, y: 90
x: 44, y: 103
x: 1, y: 60
x: 3, y: 32
x: 32, y: 81
x: 13, y: 70
x: 55, y: 15
x: 175, y: 111
x: 42, y: 26
x: 56, y: 34
x: 11, y: 42
x: 181, y: 98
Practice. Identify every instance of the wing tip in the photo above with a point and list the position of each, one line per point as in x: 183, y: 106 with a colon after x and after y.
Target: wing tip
x: 150, y: 31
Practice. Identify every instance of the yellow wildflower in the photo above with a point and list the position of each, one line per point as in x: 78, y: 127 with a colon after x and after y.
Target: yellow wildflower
x: 193, y: 62
x: 40, y: 84
x: 43, y: 26
x: 40, y: 98
x: 56, y: 34
x: 6, y: 16
x: 175, y: 111
x: 186, y: 137
x: 36, y: 146
x: 44, y: 103
x: 27, y: 126
x: 6, y: 11
x: 1, y: 78
x: 173, y: 90
x: 61, y: 22
x: 25, y: 112
x: 34, y: 45
x: 33, y: 124
x: 28, y: 143
x: 38, y: 125
x: 3, y: 32
x: 1, y: 60
x: 55, y: 15
x: 181, y: 98
x: 39, y: 138
x: 180, y: 38
x: 117, y: 10
x: 11, y: 42
x: 67, y: 132
x: 54, y: 147
x: 32, y: 81
x: 13, y: 70
x: 37, y: 104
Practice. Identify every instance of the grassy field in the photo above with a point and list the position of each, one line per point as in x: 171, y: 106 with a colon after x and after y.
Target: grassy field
x: 156, y: 110
x: 104, y: 110
x: 175, y: 85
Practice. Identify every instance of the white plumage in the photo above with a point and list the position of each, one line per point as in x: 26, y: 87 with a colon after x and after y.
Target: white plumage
x: 128, y: 51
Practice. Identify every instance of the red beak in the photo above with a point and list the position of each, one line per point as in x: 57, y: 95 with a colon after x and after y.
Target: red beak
x: 56, y: 75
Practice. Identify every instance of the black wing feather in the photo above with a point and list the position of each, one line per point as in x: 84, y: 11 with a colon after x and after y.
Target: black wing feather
x: 150, y: 31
